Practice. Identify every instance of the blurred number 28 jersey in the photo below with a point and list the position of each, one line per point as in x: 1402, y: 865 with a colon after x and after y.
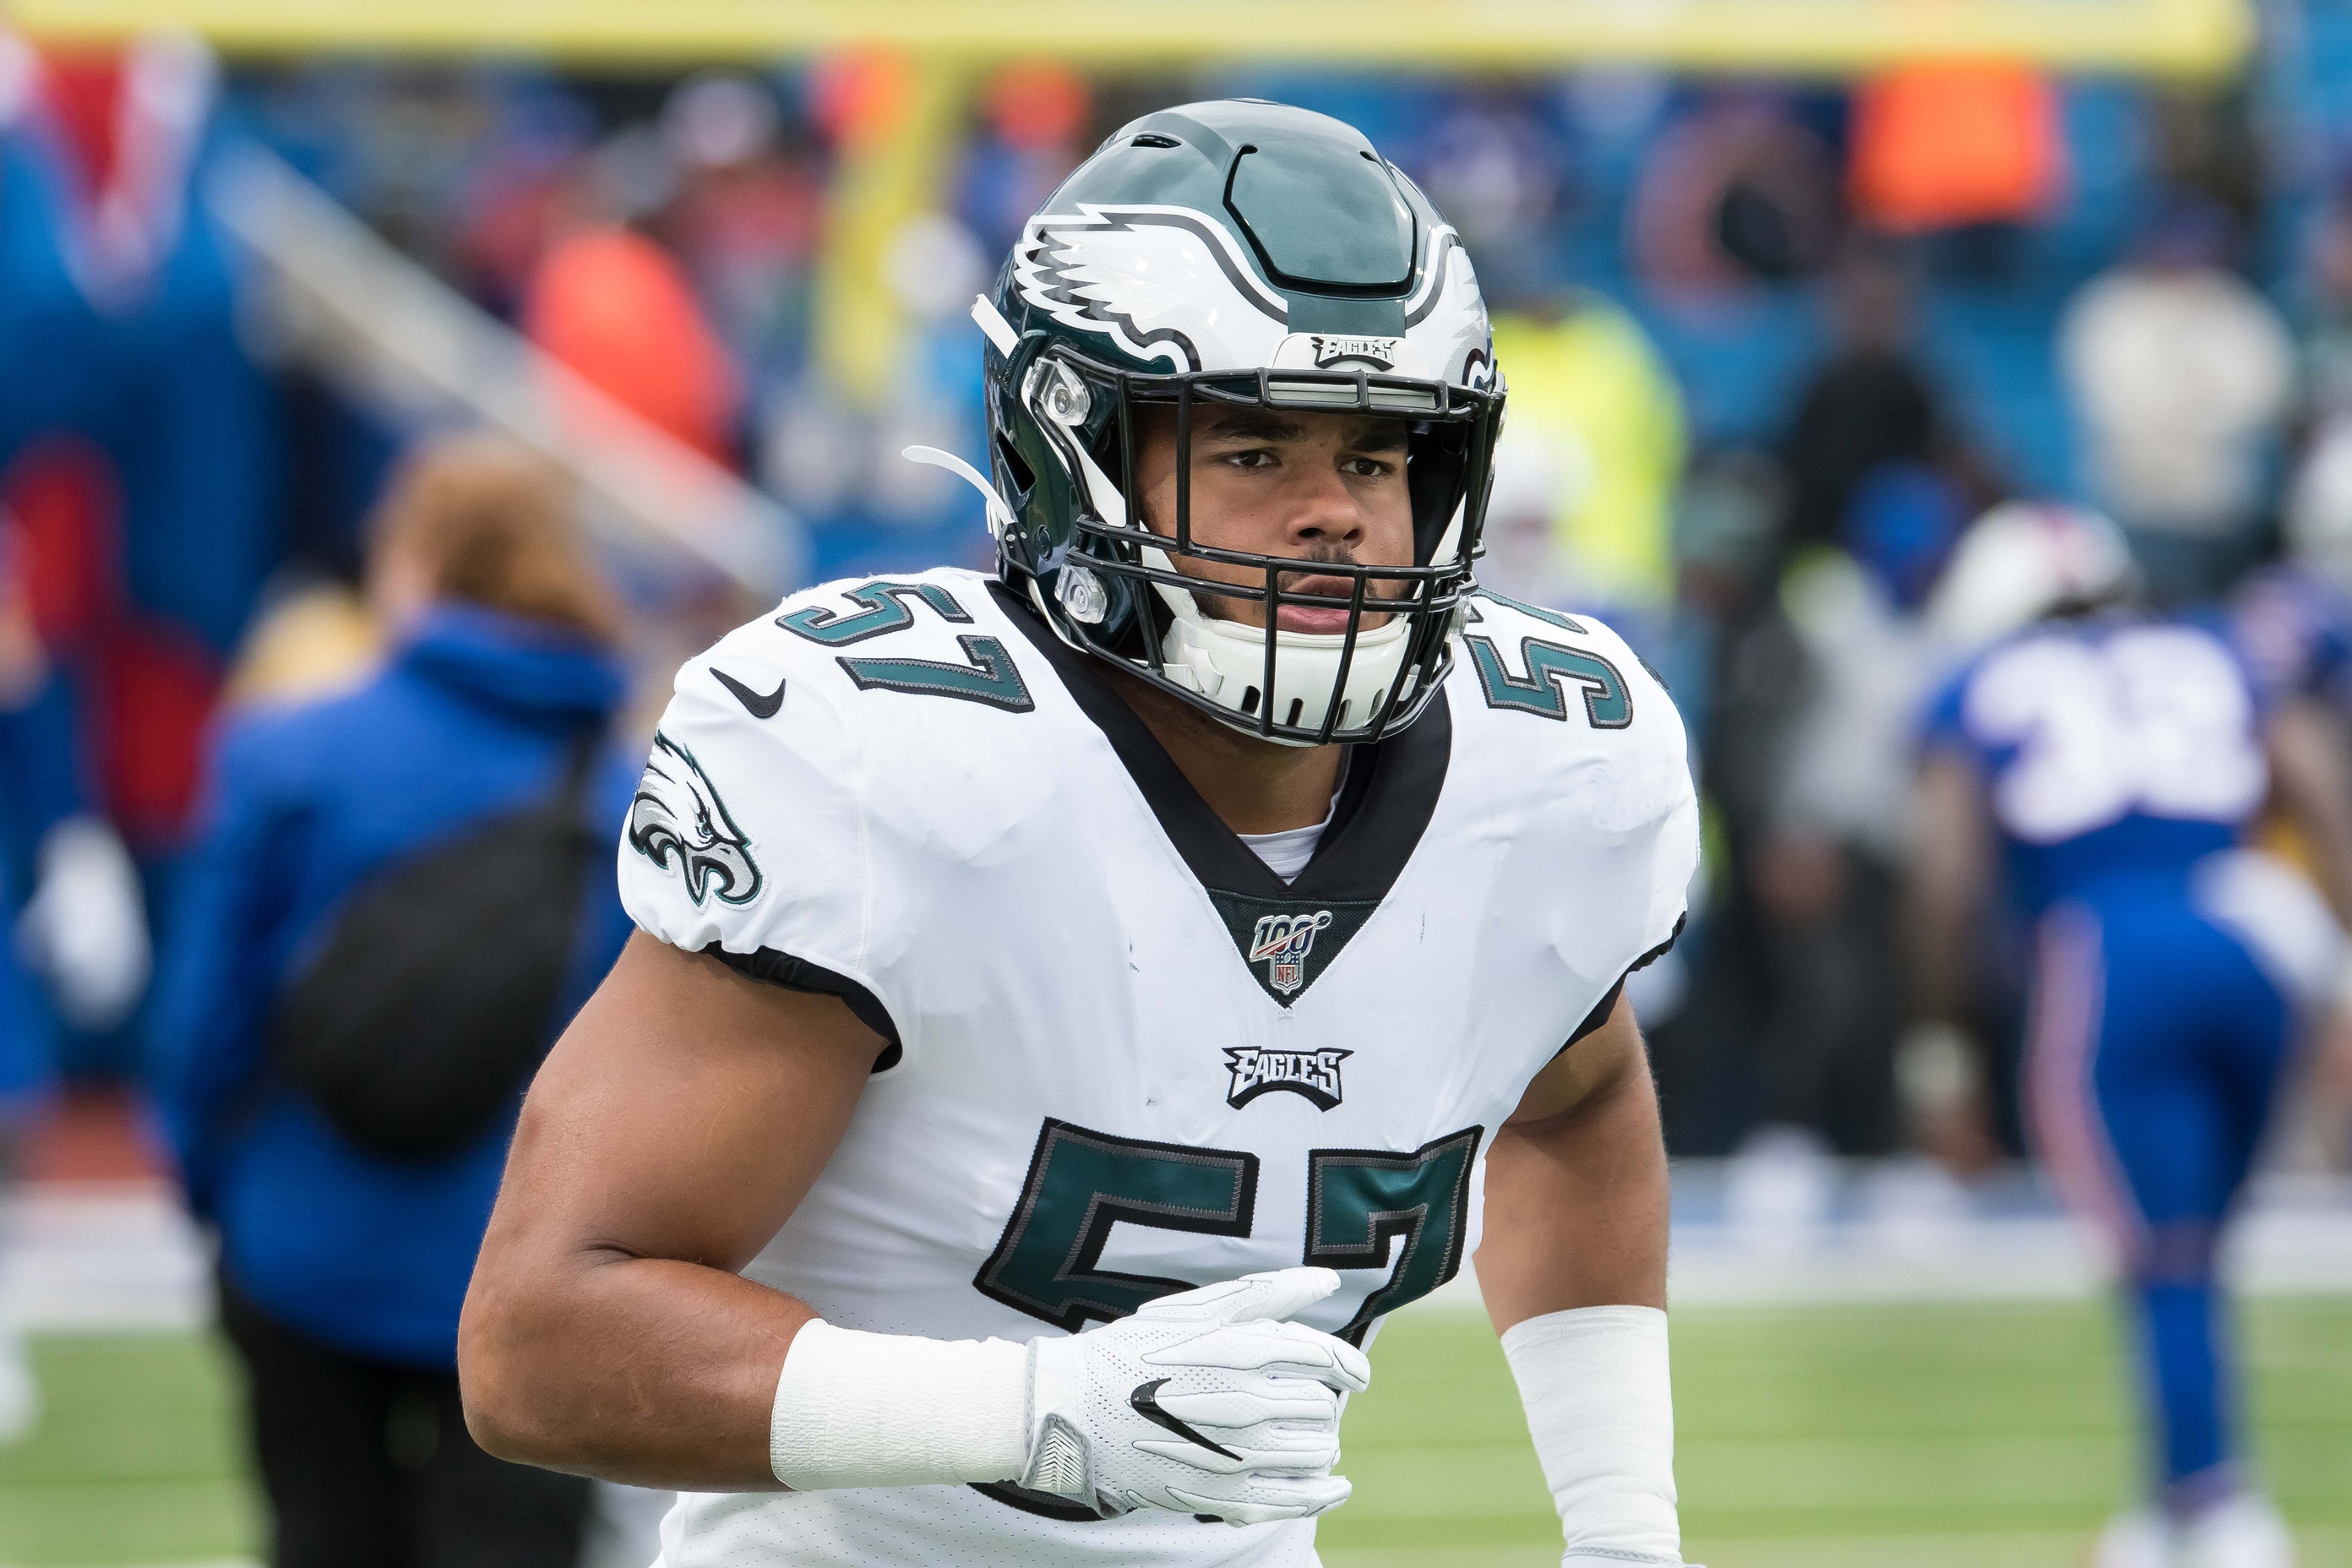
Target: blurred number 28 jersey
x: 1125, y: 1057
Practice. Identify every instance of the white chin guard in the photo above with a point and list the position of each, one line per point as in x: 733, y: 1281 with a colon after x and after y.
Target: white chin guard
x: 1224, y: 661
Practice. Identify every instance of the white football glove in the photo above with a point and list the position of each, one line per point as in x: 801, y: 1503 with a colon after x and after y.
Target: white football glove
x: 1202, y: 1403
x: 85, y: 927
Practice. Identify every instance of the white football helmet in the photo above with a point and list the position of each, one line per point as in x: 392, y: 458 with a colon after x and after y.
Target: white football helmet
x: 2024, y: 560
x: 2319, y: 508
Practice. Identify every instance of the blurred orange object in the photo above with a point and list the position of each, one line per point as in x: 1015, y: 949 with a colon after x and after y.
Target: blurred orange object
x: 615, y: 308
x: 1943, y: 146
x: 857, y: 97
x: 1038, y: 103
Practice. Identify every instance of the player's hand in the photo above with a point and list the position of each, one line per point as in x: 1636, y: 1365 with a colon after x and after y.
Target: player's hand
x: 1202, y: 1403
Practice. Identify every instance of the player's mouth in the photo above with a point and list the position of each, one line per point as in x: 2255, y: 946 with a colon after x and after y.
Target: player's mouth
x: 1328, y: 621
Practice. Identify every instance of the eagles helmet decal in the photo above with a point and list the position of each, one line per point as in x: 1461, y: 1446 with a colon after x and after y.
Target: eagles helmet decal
x: 677, y: 822
x: 1163, y: 283
x: 1169, y: 284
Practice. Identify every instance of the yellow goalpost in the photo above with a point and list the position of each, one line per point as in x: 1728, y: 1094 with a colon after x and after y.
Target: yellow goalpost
x: 2172, y: 37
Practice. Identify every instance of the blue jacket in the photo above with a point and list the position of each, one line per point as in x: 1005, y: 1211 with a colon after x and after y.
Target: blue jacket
x: 39, y: 787
x: 474, y: 715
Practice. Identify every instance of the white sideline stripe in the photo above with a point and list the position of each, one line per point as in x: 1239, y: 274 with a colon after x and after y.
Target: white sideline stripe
x: 2285, y: 1253
x: 124, y: 1256
x: 117, y: 1256
x: 2324, y: 1547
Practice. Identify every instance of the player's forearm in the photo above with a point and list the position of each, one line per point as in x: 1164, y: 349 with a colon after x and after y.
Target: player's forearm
x: 1574, y: 1271
x: 2313, y: 782
x: 1575, y: 1206
x: 643, y: 1369
x: 1944, y: 885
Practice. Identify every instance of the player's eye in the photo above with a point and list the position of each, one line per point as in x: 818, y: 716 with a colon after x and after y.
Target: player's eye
x: 1367, y: 468
x: 1254, y: 457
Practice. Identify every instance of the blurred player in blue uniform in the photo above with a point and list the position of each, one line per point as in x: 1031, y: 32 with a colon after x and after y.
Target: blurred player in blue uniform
x: 2105, y: 764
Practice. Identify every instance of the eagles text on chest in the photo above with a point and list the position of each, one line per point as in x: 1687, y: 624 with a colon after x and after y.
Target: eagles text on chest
x: 1311, y: 1075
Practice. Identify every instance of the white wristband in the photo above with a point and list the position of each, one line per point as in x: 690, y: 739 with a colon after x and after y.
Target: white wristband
x: 1600, y: 1404
x: 855, y: 1409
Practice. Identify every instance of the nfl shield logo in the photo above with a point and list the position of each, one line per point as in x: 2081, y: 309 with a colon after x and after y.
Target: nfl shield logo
x: 1282, y: 941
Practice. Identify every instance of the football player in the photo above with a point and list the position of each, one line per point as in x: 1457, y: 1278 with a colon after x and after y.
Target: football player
x: 1073, y: 1008
x: 2115, y: 760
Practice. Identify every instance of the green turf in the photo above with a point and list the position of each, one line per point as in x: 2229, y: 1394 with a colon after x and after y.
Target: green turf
x: 1951, y: 1437
x: 1917, y: 1434
x: 135, y: 1461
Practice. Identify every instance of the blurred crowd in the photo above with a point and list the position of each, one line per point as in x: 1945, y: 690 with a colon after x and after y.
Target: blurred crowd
x: 1772, y: 349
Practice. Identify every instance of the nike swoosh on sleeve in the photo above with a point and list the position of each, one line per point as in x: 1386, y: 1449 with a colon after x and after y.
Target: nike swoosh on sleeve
x: 1148, y: 1406
x: 755, y: 704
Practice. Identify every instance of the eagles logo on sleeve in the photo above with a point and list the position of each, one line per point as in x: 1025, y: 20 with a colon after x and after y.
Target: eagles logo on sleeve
x: 677, y: 822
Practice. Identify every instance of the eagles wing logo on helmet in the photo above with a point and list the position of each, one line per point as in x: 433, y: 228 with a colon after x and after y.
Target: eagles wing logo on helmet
x: 1446, y: 315
x: 1165, y: 283
x: 679, y: 823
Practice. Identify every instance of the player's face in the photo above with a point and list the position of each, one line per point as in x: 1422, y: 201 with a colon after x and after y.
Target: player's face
x: 1326, y: 487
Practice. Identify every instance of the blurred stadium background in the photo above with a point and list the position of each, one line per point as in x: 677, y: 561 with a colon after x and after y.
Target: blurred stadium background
x: 1774, y: 276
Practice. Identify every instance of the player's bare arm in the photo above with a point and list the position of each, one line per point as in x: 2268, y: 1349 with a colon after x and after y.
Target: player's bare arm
x: 1946, y: 884
x: 2311, y: 785
x: 1576, y: 1186
x: 607, y: 1332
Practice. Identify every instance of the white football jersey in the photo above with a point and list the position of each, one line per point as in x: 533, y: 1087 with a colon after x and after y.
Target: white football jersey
x: 1125, y: 1057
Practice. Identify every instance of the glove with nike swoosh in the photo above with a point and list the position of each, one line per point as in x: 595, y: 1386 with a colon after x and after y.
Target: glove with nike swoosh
x: 1207, y: 1403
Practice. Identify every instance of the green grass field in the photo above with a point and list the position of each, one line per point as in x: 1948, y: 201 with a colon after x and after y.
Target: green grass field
x: 1828, y: 1437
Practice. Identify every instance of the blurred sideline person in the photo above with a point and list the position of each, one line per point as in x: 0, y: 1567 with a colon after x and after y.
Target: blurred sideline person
x: 2114, y: 760
x: 1590, y: 460
x: 76, y: 952
x: 2180, y: 375
x: 2295, y: 619
x: 1073, y: 1006
x: 25, y: 1066
x: 342, y: 1265
x: 1825, y: 874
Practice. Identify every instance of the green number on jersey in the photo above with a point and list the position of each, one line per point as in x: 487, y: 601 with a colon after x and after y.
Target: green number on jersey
x: 991, y: 677
x: 1080, y: 1184
x: 883, y: 608
x: 1608, y: 705
x: 1358, y: 1201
